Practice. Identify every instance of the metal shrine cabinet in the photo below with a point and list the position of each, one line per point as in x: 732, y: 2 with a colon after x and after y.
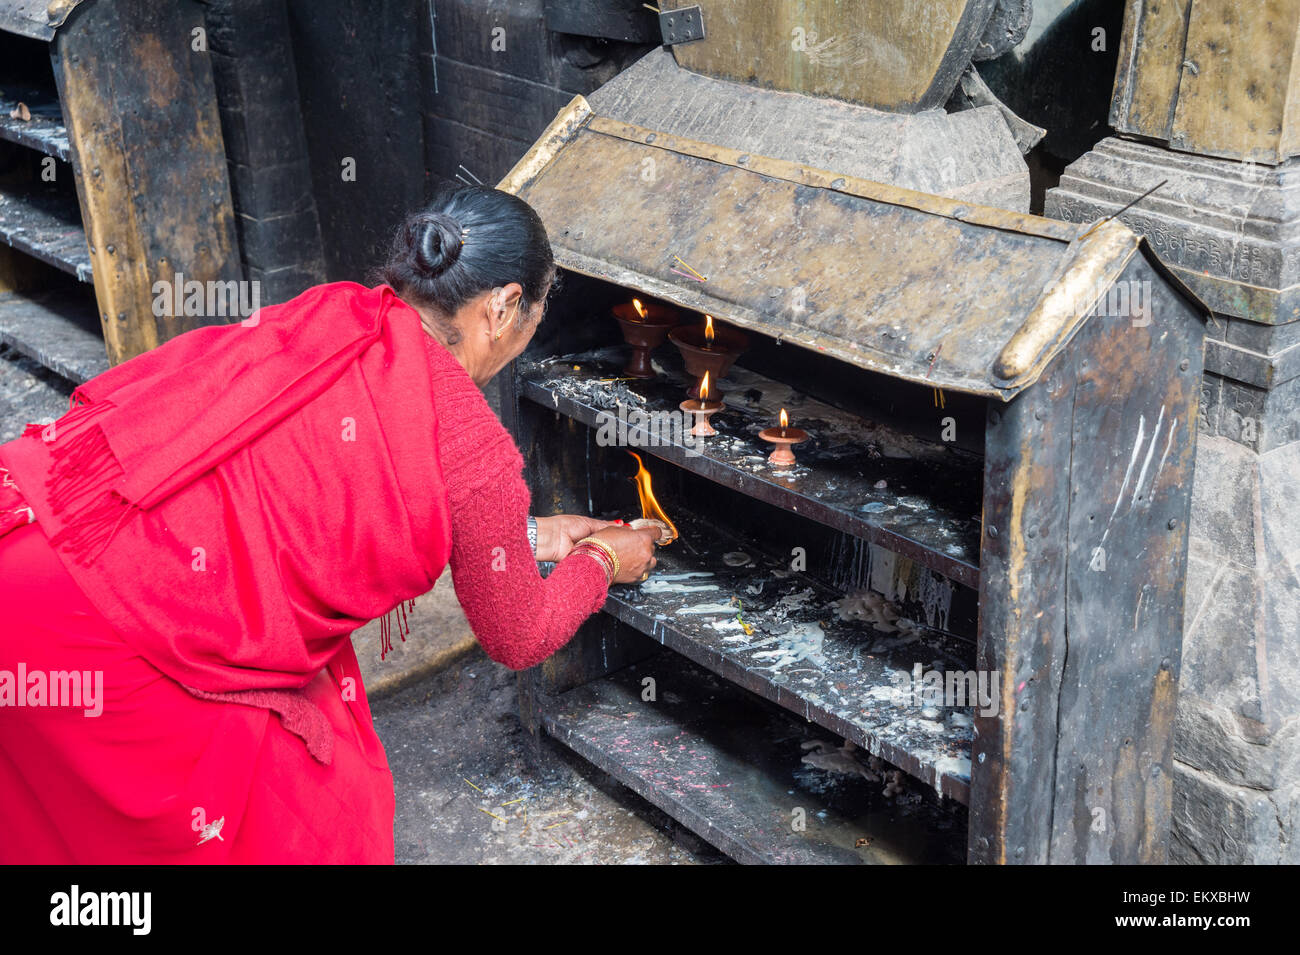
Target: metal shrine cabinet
x: 1002, y: 410
x: 115, y: 181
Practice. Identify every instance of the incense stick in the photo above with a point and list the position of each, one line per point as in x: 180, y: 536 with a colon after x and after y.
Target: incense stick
x: 1125, y: 209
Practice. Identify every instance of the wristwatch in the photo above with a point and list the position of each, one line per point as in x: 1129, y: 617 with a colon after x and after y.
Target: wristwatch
x: 532, y: 534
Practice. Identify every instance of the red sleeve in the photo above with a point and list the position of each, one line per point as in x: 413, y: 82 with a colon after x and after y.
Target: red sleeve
x: 519, y: 617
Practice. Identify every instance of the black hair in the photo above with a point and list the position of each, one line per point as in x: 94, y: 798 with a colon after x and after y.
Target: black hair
x: 468, y: 240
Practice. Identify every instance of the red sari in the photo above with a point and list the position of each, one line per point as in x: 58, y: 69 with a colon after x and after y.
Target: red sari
x: 152, y: 776
x: 205, y: 528
x: 210, y: 522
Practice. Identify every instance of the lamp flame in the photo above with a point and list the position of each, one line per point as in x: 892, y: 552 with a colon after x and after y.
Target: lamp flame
x: 640, y: 309
x: 708, y: 329
x: 704, y: 387
x: 785, y: 419
x: 649, y: 506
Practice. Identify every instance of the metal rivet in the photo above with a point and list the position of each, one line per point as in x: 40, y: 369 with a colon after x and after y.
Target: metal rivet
x: 1020, y: 852
x: 1032, y: 532
x: 838, y: 183
x: 1184, y: 365
x: 1173, y: 522
x: 993, y: 531
x: 110, y: 249
x: 743, y: 158
x: 994, y: 417
x: 650, y: 138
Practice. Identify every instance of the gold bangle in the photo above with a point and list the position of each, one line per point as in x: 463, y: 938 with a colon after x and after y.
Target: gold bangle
x: 613, y: 556
x: 599, y: 557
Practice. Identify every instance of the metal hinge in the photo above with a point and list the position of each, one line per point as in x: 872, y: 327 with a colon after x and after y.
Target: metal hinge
x: 682, y: 25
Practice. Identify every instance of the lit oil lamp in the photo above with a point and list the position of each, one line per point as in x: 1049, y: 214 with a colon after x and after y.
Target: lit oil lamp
x: 783, y: 437
x: 702, y: 408
x: 644, y: 328
x: 651, y: 512
x: 708, y: 349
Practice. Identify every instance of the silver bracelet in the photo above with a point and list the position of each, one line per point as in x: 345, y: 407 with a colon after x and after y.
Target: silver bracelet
x: 532, y: 534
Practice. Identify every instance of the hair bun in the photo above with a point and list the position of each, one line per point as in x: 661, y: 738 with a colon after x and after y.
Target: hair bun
x: 435, y: 242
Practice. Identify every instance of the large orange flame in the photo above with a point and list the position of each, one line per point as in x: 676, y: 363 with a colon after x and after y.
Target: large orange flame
x: 785, y: 419
x: 704, y: 387
x: 649, y: 506
x: 708, y: 329
x: 640, y: 309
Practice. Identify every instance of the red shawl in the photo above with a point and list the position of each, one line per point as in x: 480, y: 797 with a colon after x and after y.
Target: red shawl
x: 240, y: 499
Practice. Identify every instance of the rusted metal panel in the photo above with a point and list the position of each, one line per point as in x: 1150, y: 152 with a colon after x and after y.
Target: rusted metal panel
x: 968, y: 155
x: 1133, y: 445
x: 798, y: 253
x: 38, y: 19
x: 1022, y: 621
x: 1215, y: 77
x: 150, y: 162
x: 902, y: 55
x: 1087, y: 493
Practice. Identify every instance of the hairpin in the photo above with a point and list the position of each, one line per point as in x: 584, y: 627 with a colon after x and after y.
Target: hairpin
x: 463, y: 233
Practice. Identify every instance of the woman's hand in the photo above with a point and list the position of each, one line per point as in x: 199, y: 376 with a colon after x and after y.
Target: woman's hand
x: 556, y: 535
x: 635, y: 549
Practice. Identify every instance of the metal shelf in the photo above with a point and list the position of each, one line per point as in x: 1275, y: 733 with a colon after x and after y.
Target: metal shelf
x: 842, y: 675
x: 59, y: 329
x: 918, y: 498
x: 46, y: 225
x: 45, y: 131
x: 728, y: 767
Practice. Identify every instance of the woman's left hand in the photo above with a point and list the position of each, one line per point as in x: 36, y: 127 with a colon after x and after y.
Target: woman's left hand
x: 556, y: 535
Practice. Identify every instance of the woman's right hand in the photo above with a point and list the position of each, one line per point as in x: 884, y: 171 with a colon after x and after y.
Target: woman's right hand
x: 635, y: 549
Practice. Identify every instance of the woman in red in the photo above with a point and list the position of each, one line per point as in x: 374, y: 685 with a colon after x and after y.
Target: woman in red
x: 185, y: 554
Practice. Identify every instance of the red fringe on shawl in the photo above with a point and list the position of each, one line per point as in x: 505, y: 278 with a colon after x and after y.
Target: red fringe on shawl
x: 82, y: 474
x: 398, y: 615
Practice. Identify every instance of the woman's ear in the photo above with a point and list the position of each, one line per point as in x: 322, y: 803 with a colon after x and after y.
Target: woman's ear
x: 504, y: 305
